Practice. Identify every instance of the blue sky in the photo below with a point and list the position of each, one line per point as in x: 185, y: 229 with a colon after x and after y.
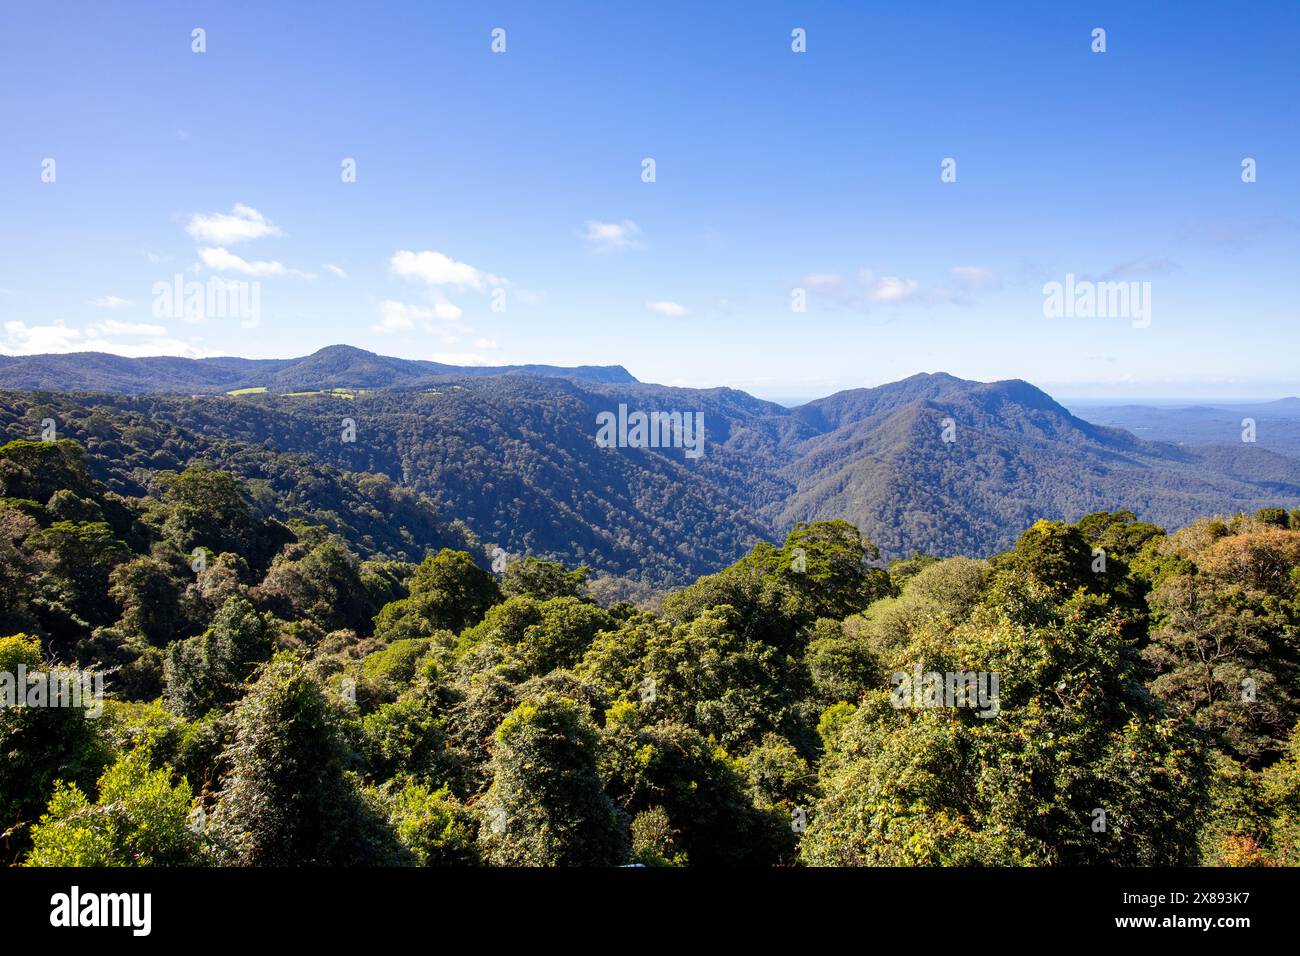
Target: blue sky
x: 518, y: 174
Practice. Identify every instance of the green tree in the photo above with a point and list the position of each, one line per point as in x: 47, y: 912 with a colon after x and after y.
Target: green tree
x: 1055, y: 554
x: 543, y: 580
x: 78, y: 559
x: 148, y: 590
x: 1226, y: 642
x: 37, y: 746
x: 208, y: 671
x: 17, y: 570
x: 831, y: 563
x: 139, y: 819
x: 207, y: 508
x: 539, y: 636
x: 406, y: 738
x: 434, y: 826
x: 289, y: 799
x: 841, y: 665
x: 37, y: 470
x: 546, y: 806
x: 666, y: 768
x: 448, y: 590
x: 1073, y: 733
x: 321, y: 583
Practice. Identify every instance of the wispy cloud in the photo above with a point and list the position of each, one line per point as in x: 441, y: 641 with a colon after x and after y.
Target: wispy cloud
x: 1237, y: 234
x: 241, y: 224
x: 888, y: 288
x: 220, y: 260
x: 604, y: 237
x: 334, y: 270
x: 112, y: 302
x: 461, y: 358
x: 889, y: 291
x: 438, y: 269
x: 672, y: 309
x: 403, y: 317
x: 21, y: 339
x: 1145, y: 266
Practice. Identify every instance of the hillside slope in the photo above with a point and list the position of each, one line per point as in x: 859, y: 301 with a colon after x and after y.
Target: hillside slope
x: 336, y: 366
x: 515, y: 457
x: 1015, y: 455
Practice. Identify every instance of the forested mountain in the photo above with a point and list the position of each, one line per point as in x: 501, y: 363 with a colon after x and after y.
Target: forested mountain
x: 1014, y: 455
x: 931, y: 463
x: 267, y: 697
x: 336, y: 366
x: 305, y: 658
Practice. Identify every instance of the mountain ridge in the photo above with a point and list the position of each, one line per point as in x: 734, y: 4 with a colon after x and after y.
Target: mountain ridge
x: 514, y: 456
x: 334, y: 366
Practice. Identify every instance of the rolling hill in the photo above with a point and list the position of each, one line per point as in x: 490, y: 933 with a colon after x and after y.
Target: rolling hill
x: 514, y: 456
x: 336, y: 366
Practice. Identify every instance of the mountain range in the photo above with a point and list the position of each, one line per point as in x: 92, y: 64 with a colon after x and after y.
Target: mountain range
x: 336, y: 366
x: 931, y: 463
x: 1273, y: 425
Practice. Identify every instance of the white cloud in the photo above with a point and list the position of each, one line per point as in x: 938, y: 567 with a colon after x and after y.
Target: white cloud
x: 437, y: 269
x: 112, y: 302
x: 219, y: 260
x: 461, y: 358
x: 671, y: 309
x: 611, y: 236
x: 488, y: 344
x: 891, y: 290
x: 22, y: 339
x: 241, y: 224
x: 888, y: 288
x: 402, y: 317
x: 336, y: 270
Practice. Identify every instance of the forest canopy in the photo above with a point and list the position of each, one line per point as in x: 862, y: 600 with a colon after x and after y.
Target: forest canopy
x: 281, y: 694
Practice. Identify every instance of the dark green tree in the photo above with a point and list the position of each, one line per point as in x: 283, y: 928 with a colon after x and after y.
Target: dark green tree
x: 288, y: 799
x: 208, y: 671
x: 546, y: 805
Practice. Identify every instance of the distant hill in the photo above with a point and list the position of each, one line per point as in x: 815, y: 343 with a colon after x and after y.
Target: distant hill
x: 514, y: 456
x: 1277, y: 423
x: 1017, y: 455
x: 336, y: 366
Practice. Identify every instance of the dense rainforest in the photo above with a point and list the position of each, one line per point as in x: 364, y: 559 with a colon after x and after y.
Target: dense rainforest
x: 512, y: 459
x: 307, y: 665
